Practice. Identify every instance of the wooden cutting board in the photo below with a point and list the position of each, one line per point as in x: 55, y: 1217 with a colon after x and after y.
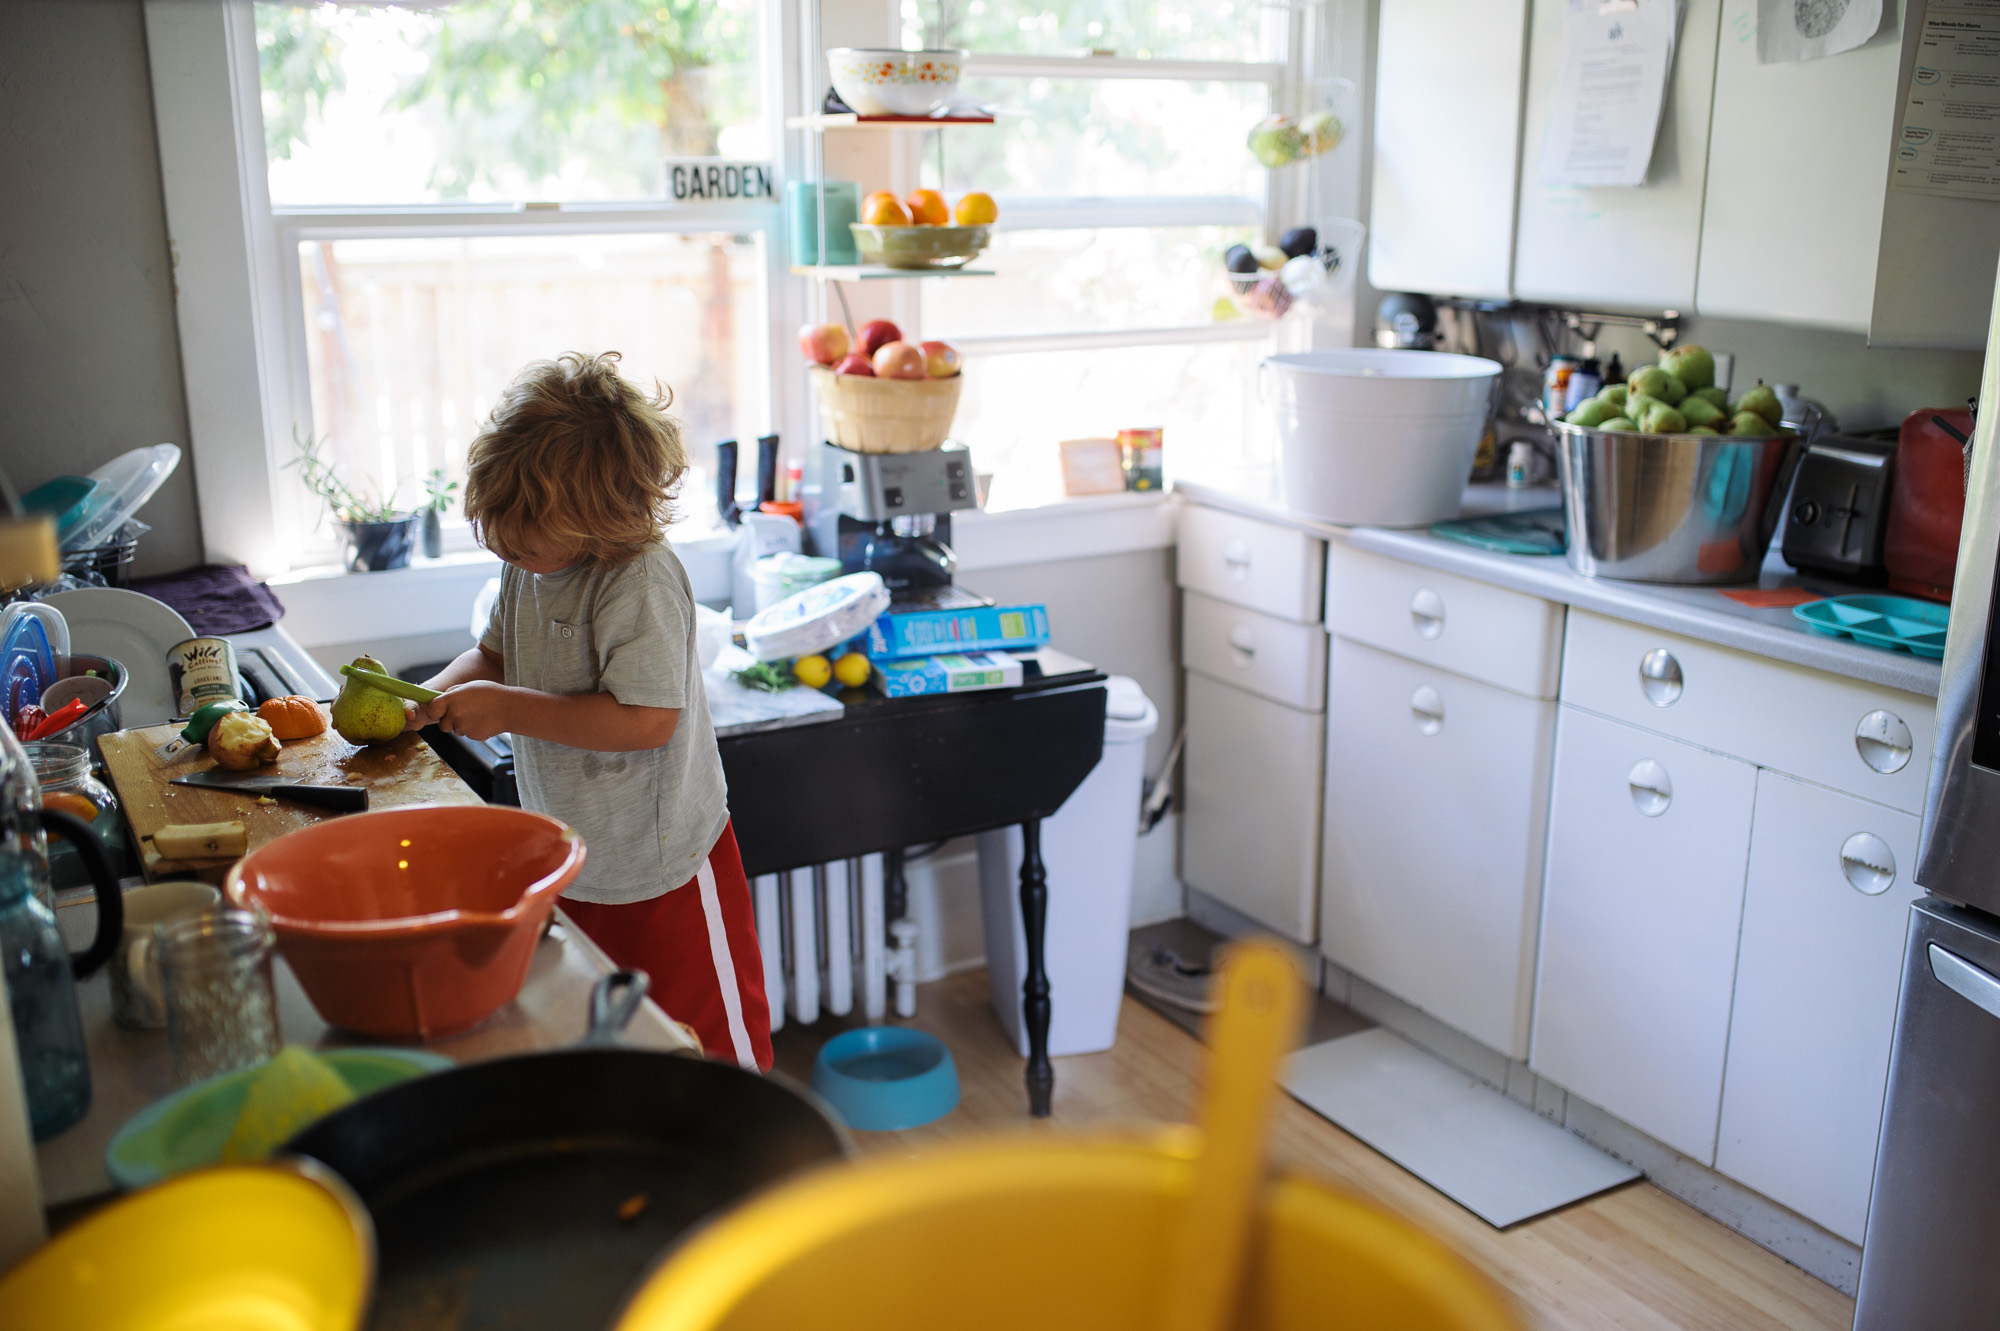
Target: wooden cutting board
x: 403, y: 771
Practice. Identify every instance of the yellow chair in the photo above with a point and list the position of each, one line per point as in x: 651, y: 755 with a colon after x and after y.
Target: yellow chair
x: 281, y: 1247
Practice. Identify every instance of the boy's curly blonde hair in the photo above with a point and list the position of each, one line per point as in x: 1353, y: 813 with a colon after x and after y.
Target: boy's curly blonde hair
x: 575, y: 454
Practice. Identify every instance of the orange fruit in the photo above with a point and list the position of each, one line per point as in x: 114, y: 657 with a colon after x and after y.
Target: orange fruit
x: 977, y: 209
x: 927, y: 208
x: 884, y: 209
x: 71, y: 803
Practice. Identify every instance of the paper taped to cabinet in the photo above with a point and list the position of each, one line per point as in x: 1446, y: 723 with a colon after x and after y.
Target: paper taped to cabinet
x: 1948, y: 141
x: 1611, y: 90
x: 1789, y: 31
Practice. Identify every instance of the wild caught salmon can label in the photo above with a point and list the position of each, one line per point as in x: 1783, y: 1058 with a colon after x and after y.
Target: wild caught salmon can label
x: 201, y: 670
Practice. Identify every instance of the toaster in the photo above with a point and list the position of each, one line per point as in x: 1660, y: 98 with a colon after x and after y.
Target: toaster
x: 1840, y: 508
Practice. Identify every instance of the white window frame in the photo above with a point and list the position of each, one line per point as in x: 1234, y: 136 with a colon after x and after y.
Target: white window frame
x: 238, y: 300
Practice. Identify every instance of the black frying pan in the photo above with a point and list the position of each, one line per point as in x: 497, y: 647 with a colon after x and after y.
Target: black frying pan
x: 534, y: 1191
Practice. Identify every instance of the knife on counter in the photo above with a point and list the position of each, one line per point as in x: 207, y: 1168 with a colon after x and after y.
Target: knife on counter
x: 341, y: 799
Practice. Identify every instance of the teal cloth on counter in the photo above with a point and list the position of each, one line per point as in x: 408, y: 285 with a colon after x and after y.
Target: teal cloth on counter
x: 1534, y: 531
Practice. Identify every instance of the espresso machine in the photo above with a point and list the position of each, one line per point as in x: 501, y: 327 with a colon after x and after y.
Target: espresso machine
x: 890, y: 513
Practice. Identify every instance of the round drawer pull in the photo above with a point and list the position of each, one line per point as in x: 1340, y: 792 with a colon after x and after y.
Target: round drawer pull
x: 1868, y: 862
x: 1660, y: 677
x: 1427, y: 613
x: 1236, y: 554
x: 1427, y: 706
x: 1652, y: 789
x: 1883, y: 741
x: 1242, y: 646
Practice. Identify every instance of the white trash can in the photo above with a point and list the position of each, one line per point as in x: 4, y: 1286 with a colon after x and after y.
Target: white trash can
x: 1087, y: 851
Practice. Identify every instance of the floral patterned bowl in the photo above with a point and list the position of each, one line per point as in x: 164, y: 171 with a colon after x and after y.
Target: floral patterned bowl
x: 879, y: 82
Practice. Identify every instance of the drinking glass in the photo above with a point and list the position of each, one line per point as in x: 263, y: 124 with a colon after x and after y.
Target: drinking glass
x: 222, y: 1011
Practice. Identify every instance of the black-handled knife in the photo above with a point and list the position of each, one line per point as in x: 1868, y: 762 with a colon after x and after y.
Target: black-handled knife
x: 340, y: 799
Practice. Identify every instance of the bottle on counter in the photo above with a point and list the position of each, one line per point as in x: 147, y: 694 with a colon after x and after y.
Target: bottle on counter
x: 1584, y: 382
x: 1555, y: 383
x: 1614, y: 370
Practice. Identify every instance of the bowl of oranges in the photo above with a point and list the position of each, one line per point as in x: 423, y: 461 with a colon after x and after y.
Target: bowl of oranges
x: 921, y: 232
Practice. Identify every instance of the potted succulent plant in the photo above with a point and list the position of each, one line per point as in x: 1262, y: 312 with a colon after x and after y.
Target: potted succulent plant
x: 379, y: 535
x: 439, y: 494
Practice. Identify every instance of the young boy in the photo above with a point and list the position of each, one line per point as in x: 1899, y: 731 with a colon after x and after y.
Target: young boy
x: 589, y: 663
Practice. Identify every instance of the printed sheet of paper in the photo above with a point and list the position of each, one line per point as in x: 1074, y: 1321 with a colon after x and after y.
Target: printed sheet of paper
x: 1789, y: 31
x: 1949, y: 140
x: 1610, y: 91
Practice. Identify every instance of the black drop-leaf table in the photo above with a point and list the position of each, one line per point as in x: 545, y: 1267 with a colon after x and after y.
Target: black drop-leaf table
x: 896, y: 772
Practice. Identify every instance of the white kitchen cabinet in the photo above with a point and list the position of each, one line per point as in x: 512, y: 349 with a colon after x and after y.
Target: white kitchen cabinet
x: 1251, y: 812
x: 1617, y: 247
x: 1798, y: 164
x: 1817, y: 974
x: 1274, y: 657
x: 1647, y: 844
x: 1447, y: 121
x: 1431, y: 863
x: 1259, y: 565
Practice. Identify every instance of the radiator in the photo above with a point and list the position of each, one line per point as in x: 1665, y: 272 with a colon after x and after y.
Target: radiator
x: 828, y: 944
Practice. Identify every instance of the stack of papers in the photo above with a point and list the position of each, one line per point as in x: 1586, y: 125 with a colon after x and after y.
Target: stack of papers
x: 1611, y: 90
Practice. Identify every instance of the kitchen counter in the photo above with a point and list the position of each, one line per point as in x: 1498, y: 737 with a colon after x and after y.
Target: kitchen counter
x: 131, y: 1069
x: 1697, y: 612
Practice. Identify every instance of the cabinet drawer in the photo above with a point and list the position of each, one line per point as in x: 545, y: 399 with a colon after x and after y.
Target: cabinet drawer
x: 1259, y: 565
x: 1274, y: 657
x: 1648, y: 839
x: 1431, y: 856
x: 1250, y: 821
x: 1860, y: 738
x: 1485, y: 633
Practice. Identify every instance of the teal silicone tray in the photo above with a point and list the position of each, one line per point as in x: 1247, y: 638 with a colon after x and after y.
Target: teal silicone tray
x: 1896, y: 623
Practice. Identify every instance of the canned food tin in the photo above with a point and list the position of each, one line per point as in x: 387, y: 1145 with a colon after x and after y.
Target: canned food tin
x: 1145, y: 458
x: 201, y: 670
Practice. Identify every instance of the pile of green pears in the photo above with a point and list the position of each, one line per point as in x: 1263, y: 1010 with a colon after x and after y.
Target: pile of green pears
x: 1679, y: 396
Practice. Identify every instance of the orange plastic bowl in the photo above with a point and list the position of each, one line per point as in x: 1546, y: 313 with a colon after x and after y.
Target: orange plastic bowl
x: 411, y: 923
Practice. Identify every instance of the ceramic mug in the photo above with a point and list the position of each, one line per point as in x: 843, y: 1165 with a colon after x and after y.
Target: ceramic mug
x: 138, y: 1001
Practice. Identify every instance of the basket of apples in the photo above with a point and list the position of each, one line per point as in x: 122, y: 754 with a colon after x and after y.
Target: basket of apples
x: 879, y: 393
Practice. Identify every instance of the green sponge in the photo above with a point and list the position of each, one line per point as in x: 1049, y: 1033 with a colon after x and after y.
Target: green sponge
x: 296, y: 1087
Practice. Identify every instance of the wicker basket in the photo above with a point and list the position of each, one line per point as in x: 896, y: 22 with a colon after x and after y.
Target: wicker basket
x: 886, y: 415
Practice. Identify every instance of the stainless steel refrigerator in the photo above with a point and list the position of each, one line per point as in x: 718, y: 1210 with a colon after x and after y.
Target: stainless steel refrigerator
x: 1931, y: 1258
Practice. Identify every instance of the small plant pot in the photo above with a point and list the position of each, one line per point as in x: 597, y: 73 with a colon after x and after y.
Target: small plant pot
x: 373, y: 547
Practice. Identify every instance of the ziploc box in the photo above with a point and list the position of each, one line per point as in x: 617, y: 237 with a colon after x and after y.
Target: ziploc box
x: 1011, y: 628
x: 958, y: 672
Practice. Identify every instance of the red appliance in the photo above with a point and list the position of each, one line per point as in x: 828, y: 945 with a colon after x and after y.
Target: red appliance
x: 1926, y: 504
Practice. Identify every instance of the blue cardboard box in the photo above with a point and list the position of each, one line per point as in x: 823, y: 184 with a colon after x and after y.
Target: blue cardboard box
x: 956, y: 672
x: 1012, y: 628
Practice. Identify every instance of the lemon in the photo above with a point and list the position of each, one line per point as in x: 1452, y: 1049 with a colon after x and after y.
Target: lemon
x: 853, y: 670
x: 813, y: 671
x: 977, y: 209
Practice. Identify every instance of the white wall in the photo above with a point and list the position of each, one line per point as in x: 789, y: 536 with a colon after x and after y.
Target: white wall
x: 89, y: 355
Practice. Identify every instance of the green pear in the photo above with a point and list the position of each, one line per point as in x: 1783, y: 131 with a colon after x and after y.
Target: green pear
x: 1692, y: 365
x: 1762, y: 401
x: 1699, y: 429
x: 1651, y: 381
x: 1620, y: 424
x: 364, y: 714
x: 1638, y: 404
x: 1712, y: 394
x: 1663, y: 419
x: 1614, y: 394
x: 1750, y: 424
x: 1673, y: 392
x: 1700, y: 411
x: 1591, y: 411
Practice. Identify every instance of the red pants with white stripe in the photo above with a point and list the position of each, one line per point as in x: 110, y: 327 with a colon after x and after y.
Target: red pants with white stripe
x: 699, y: 945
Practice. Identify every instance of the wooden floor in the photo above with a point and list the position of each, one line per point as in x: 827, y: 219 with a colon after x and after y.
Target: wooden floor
x: 1632, y: 1258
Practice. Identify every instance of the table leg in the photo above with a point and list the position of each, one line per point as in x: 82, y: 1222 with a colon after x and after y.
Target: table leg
x: 1035, y: 1007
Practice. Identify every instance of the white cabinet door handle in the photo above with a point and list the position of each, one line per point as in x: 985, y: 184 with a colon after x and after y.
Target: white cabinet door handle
x: 1883, y: 741
x: 1242, y: 645
x: 1660, y: 677
x: 1427, y: 707
x: 1236, y: 554
x: 1652, y: 789
x: 1427, y: 613
x: 1966, y: 980
x: 1868, y: 862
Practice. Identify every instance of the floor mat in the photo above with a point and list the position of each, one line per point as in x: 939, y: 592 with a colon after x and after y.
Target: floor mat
x: 1497, y: 1159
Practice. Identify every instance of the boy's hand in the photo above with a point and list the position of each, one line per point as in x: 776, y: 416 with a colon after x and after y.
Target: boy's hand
x: 418, y: 715
x: 477, y: 710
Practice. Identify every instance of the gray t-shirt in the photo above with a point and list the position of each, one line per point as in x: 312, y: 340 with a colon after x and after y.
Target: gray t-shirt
x: 648, y: 817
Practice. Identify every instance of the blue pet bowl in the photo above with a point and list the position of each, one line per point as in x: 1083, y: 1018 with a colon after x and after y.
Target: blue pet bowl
x: 886, y: 1078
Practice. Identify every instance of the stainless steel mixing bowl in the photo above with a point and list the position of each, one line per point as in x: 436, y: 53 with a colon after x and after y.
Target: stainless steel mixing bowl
x: 1686, y: 508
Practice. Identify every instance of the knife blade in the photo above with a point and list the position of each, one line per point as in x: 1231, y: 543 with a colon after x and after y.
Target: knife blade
x: 341, y: 799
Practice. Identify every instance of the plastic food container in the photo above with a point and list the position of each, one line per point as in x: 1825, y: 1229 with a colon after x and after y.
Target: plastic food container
x: 414, y: 923
x: 1377, y: 438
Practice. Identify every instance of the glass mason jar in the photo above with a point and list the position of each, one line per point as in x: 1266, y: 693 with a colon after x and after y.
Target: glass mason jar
x: 68, y: 786
x: 215, y: 971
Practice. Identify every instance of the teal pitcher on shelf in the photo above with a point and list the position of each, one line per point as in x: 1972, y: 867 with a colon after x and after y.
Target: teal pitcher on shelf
x: 41, y: 972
